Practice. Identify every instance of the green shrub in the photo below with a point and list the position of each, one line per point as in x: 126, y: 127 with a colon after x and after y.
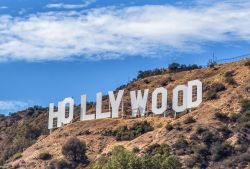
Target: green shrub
x: 155, y: 149
x: 247, y: 63
x: 59, y: 164
x: 231, y: 81
x: 221, y: 116
x: 211, y: 95
x: 16, y: 156
x: 148, y: 73
x: 136, y: 150
x: 225, y: 131
x: 155, y: 158
x: 189, y: 120
x: 229, y: 73
x: 45, y: 156
x: 176, y: 67
x: 245, y: 105
x: 29, y: 132
x: 244, y: 157
x: 208, y: 138
x: 221, y: 151
x: 200, y: 130
x: 178, y: 126
x: 181, y: 143
x: 218, y: 87
x: 146, y: 81
x: 214, y: 89
x: 165, y: 82
x: 171, y: 162
x: 245, y: 117
x: 169, y: 127
x: 197, y: 161
x: 121, y: 158
x: 202, y: 150
x: 234, y: 117
x: 129, y: 133
x: 200, y: 157
x: 74, y: 150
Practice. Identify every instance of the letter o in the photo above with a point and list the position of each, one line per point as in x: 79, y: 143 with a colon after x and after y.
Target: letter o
x: 164, y: 100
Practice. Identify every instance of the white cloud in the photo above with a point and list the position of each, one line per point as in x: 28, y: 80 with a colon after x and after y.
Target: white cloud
x: 3, y: 7
x: 70, y: 6
x: 13, y: 105
x: 110, y: 33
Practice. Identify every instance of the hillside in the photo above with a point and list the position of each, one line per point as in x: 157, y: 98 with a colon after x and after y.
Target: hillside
x: 220, y: 117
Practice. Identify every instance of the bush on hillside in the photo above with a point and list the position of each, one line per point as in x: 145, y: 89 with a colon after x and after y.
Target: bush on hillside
x: 59, y: 164
x: 165, y: 82
x: 124, y: 159
x: 45, y: 156
x: 221, y: 151
x: 214, y: 89
x: 234, y: 117
x: 224, y: 131
x: 211, y: 95
x: 229, y: 73
x: 169, y: 127
x: 245, y: 105
x: 146, y: 81
x: 176, y: 67
x: 221, y: 116
x: 16, y: 156
x: 121, y: 158
x: 129, y: 133
x: 218, y: 87
x: 154, y: 149
x: 208, y: 138
x: 231, y: 81
x: 181, y: 144
x: 29, y: 132
x: 136, y: 150
x: 200, y: 130
x: 148, y: 73
x: 247, y: 63
x: 200, y: 157
x: 178, y: 126
x: 189, y: 120
x: 74, y: 150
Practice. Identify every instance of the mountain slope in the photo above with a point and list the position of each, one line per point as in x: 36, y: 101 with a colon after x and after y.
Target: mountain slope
x: 225, y: 102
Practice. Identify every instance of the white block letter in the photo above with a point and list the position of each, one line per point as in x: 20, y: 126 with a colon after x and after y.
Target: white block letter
x: 191, y: 84
x: 115, y: 103
x: 179, y: 108
x: 164, y: 99
x: 83, y: 115
x: 66, y: 101
x: 53, y: 114
x: 139, y: 102
x: 99, y: 114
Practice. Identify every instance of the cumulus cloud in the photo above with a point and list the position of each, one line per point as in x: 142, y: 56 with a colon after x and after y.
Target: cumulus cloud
x: 13, y: 105
x: 70, y: 6
x: 111, y: 33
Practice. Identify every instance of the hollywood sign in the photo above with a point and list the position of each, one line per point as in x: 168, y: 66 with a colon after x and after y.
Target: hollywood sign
x: 138, y: 104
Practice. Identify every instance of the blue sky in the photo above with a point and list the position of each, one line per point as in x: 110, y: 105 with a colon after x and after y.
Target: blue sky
x: 53, y: 49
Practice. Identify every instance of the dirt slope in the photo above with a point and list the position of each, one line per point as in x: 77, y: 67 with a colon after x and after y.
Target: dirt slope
x: 97, y: 143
